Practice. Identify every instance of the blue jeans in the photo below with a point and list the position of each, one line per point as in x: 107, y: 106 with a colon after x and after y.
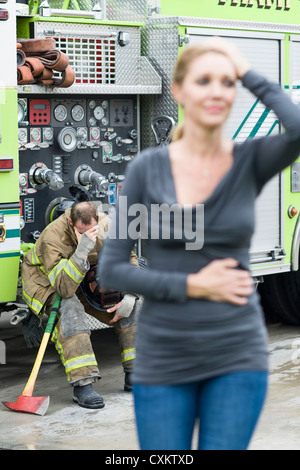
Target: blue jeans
x: 228, y: 408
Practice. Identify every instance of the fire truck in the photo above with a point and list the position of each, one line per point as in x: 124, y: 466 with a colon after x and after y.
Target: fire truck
x: 63, y: 143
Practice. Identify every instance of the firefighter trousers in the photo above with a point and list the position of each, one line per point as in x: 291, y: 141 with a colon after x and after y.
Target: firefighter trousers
x: 71, y: 336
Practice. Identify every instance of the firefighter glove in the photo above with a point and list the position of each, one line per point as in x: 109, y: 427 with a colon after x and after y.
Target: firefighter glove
x: 33, y: 330
x: 82, y: 251
x: 127, y: 305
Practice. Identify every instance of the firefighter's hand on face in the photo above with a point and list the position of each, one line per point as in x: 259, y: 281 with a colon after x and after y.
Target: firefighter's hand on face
x: 91, y: 233
x: 87, y: 237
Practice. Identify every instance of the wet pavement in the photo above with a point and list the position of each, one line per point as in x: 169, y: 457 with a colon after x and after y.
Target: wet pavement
x: 66, y: 426
x: 279, y: 425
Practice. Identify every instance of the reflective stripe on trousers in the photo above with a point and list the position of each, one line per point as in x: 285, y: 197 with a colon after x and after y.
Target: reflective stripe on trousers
x: 79, y: 362
x: 76, y: 354
x: 128, y: 354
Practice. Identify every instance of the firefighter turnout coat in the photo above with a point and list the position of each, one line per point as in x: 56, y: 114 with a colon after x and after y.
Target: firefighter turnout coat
x: 50, y: 268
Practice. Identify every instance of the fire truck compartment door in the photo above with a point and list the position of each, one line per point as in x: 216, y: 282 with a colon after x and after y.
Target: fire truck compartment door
x: 295, y: 68
x: 250, y: 119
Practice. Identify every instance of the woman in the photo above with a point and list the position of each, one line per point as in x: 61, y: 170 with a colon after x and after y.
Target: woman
x: 201, y: 347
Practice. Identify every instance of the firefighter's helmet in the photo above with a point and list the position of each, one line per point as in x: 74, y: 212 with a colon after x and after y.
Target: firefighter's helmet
x: 98, y: 297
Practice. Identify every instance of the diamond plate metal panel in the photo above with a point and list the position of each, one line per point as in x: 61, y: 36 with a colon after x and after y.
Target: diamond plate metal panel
x: 93, y: 89
x: 116, y: 10
x: 94, y: 52
x: 238, y: 24
x: 95, y: 324
x: 126, y: 10
x: 159, y: 35
x: 101, y: 65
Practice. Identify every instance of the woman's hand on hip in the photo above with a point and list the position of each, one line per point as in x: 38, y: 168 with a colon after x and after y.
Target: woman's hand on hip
x: 221, y: 281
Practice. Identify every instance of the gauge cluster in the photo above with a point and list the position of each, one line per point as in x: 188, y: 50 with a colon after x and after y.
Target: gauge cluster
x: 98, y: 113
x: 82, y: 123
x: 68, y: 112
x: 67, y: 142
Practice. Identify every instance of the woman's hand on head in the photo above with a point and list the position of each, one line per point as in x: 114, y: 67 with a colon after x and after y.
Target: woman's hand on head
x: 229, y: 49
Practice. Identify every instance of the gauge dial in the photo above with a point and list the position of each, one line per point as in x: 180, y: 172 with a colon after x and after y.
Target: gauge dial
x: 82, y: 133
x: 35, y: 134
x: 98, y: 113
x: 95, y: 133
x: 21, y: 111
x: 22, y: 135
x: 60, y: 112
x: 77, y: 112
x: 48, y: 133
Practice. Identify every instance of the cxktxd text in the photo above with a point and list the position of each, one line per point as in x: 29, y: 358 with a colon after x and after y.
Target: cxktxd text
x: 152, y: 459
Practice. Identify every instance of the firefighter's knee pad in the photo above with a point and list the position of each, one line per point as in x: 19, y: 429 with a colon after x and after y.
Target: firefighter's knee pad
x: 73, y: 317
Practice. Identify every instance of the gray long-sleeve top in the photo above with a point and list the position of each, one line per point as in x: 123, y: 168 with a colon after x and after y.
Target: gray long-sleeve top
x: 182, y: 339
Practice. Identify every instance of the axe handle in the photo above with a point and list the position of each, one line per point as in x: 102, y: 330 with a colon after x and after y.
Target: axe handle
x: 28, y: 390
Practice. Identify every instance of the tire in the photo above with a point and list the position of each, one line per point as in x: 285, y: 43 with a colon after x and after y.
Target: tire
x: 280, y: 298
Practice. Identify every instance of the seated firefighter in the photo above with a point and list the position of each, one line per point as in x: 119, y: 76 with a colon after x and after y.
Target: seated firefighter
x: 57, y: 264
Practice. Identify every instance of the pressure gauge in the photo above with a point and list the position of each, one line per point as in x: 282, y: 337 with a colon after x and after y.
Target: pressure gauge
x: 60, y: 112
x: 92, y: 121
x: 22, y: 135
x: 95, y: 133
x: 92, y: 104
x: 82, y: 133
x: 35, y: 134
x: 77, y: 112
x: 98, y: 113
x: 105, y: 104
x: 21, y: 111
x: 48, y: 134
x: 105, y: 121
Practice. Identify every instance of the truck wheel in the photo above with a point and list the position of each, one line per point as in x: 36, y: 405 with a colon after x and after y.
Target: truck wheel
x: 280, y: 297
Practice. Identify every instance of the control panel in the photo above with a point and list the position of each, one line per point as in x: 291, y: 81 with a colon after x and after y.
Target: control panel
x: 72, y: 148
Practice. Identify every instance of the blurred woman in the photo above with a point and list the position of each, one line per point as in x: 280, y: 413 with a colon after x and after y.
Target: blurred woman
x: 201, y: 331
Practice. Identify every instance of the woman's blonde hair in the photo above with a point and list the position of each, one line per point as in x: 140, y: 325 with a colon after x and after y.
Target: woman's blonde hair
x: 183, y: 63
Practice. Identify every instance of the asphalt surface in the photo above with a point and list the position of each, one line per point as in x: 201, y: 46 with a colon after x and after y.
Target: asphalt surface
x: 66, y: 426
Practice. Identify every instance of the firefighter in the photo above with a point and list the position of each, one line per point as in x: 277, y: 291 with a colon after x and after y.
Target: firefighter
x: 57, y: 264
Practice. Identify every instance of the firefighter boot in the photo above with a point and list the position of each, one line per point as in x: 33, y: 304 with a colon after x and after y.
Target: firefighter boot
x: 127, y: 383
x: 87, y: 397
x: 126, y: 338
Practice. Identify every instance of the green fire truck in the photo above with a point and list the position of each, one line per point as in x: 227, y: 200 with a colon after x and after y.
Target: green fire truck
x: 84, y: 135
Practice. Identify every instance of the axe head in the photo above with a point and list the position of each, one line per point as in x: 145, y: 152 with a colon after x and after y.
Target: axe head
x: 33, y: 405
